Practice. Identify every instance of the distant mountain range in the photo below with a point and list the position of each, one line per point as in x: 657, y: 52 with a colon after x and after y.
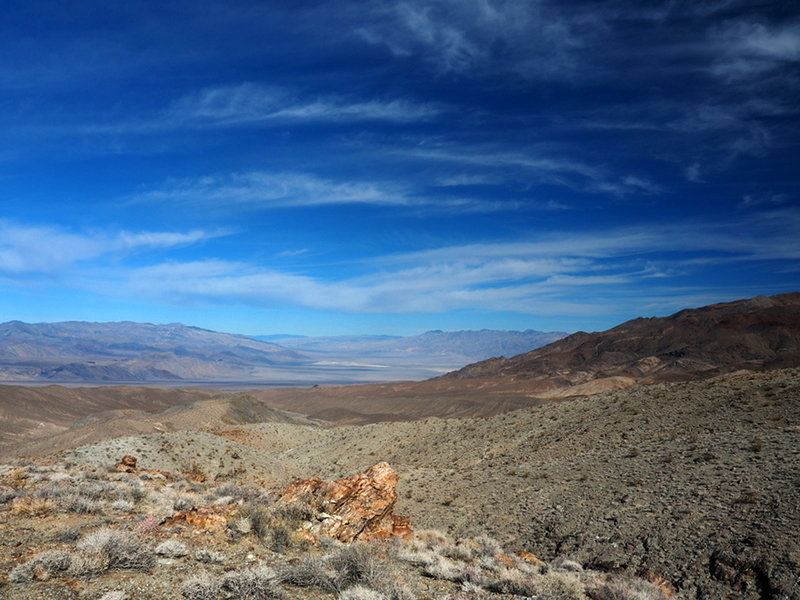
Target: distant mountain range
x: 454, y: 346
x: 78, y: 351
x: 125, y: 351
x: 756, y: 334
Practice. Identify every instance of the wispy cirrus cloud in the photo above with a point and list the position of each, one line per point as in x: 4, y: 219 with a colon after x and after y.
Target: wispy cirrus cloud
x: 48, y: 249
x: 530, y: 39
x: 262, y: 190
x: 545, y: 276
x: 534, y: 165
x: 254, y: 104
x: 746, y: 48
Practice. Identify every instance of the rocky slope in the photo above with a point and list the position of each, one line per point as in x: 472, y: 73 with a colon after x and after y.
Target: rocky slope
x: 695, y: 481
x: 124, y: 351
x: 759, y: 333
x: 111, y: 533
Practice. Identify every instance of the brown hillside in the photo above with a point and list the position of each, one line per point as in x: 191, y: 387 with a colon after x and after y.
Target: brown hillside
x: 755, y: 334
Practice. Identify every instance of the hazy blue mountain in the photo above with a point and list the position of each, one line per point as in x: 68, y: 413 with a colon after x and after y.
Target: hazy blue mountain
x: 455, y: 347
x: 126, y: 351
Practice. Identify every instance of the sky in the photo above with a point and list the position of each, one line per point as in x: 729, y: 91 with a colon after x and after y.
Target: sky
x: 389, y: 167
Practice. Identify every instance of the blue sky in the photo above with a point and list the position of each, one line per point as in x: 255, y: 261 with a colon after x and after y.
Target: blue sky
x: 391, y: 167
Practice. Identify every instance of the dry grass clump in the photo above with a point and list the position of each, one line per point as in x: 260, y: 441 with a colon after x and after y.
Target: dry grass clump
x: 208, y: 557
x: 28, y: 506
x: 41, y: 567
x: 201, y: 587
x: 255, y: 583
x: 6, y: 494
x: 366, y: 566
x: 171, y: 549
x: 16, y: 479
x: 619, y: 587
x: 275, y: 524
x: 360, y: 592
x: 111, y: 549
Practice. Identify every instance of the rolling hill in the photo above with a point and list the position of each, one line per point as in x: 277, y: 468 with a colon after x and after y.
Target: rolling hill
x: 754, y: 334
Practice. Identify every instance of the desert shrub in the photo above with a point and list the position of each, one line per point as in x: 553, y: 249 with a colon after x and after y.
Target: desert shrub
x: 41, y: 566
x: 396, y: 590
x: 208, y: 557
x: 626, y: 588
x: 280, y: 537
x: 252, y: 518
x: 459, y: 550
x: 124, y: 506
x: 128, y: 491
x: 302, y: 509
x: 432, y: 538
x: 311, y: 571
x: 360, y: 592
x: 171, y: 549
x: 22, y: 573
x: 16, y: 479
x: 358, y: 563
x: 487, y: 546
x: 201, y: 587
x: 84, y: 505
x: 54, y: 560
x: 512, y: 581
x: 6, y: 494
x: 29, y: 506
x: 348, y: 566
x: 440, y: 567
x: 564, y: 564
x: 417, y: 557
x: 111, y: 548
x: 238, y: 493
x: 559, y: 586
x: 256, y: 583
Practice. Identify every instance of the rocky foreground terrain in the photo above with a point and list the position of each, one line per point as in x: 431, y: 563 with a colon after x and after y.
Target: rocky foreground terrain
x: 695, y: 485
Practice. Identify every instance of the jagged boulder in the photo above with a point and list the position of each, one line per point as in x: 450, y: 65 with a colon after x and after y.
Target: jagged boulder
x: 127, y: 464
x: 358, y: 507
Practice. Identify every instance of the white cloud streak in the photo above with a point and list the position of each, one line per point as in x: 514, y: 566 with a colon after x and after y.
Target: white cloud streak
x: 747, y: 49
x: 533, y: 166
x: 547, y: 276
x: 254, y: 104
x: 48, y: 250
x: 273, y: 190
x: 525, y: 37
x: 259, y: 190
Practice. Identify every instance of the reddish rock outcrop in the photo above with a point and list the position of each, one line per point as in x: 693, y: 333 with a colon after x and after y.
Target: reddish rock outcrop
x: 209, y: 518
x: 127, y: 464
x: 358, y: 507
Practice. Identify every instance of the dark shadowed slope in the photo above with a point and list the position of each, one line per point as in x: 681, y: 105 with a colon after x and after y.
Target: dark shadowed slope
x: 756, y: 334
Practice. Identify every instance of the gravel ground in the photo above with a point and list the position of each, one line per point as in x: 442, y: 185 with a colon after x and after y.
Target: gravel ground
x: 697, y: 482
